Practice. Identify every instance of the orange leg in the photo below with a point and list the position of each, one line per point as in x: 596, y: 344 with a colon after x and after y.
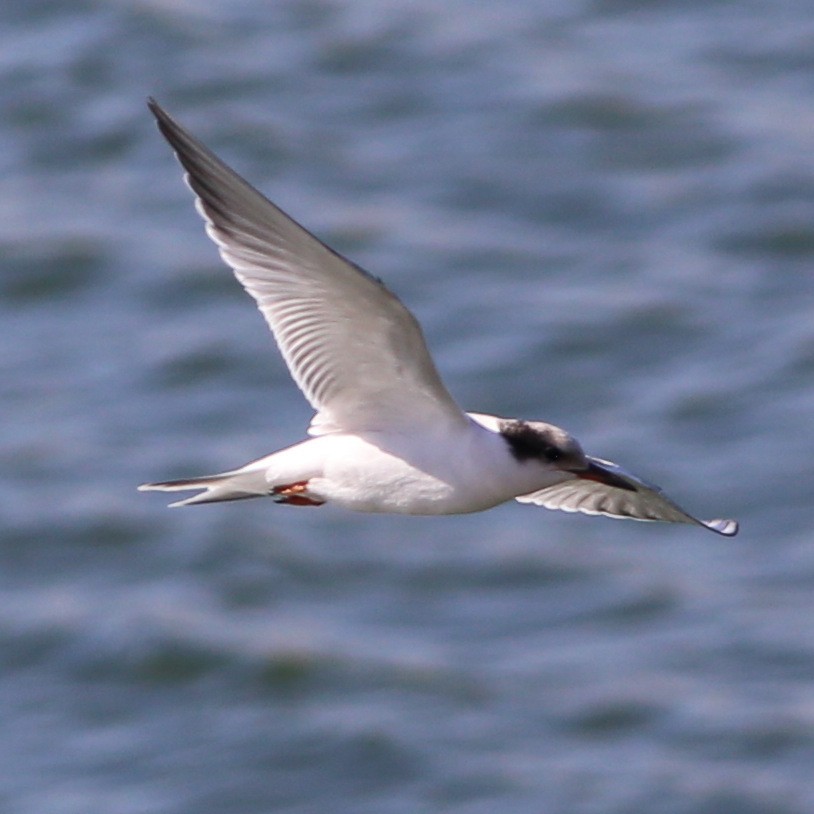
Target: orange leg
x: 293, y: 494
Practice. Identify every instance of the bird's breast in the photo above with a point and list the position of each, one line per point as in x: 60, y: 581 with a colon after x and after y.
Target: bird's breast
x: 423, y: 474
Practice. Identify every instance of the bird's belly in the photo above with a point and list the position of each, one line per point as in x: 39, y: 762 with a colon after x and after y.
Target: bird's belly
x: 366, y: 477
x: 399, y: 490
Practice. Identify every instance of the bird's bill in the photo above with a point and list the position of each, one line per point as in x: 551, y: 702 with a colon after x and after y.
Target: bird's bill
x: 595, y: 471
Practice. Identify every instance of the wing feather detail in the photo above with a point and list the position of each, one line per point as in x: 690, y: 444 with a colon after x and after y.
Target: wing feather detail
x: 634, y: 499
x: 355, y: 351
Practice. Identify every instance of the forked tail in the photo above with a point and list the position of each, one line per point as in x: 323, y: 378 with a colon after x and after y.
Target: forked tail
x: 216, y: 488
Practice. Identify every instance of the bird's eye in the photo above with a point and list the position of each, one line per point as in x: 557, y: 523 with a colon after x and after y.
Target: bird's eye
x: 552, y: 454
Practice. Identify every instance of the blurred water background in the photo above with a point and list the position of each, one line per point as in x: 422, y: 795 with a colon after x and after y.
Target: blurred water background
x: 602, y: 212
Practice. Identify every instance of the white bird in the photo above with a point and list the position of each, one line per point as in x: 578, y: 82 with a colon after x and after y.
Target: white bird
x: 387, y: 435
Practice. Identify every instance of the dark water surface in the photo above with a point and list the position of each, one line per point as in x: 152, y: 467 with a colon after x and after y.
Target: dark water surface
x: 603, y: 214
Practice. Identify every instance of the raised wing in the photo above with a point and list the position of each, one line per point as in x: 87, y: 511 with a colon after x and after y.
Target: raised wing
x: 613, y: 492
x: 354, y: 350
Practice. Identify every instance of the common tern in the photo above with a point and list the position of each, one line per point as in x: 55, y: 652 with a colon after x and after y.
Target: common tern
x: 387, y: 436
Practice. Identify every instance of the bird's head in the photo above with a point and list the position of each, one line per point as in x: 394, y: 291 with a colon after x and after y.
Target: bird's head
x: 538, y: 441
x: 556, y: 449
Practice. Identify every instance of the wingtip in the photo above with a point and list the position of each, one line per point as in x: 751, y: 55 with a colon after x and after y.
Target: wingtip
x: 727, y: 528
x: 161, y: 115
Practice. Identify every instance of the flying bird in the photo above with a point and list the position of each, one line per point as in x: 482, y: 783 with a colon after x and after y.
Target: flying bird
x: 387, y: 435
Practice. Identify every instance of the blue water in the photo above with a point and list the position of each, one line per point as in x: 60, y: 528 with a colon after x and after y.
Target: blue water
x: 603, y: 215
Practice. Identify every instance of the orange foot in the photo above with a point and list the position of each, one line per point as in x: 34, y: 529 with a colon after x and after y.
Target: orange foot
x: 294, y: 494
